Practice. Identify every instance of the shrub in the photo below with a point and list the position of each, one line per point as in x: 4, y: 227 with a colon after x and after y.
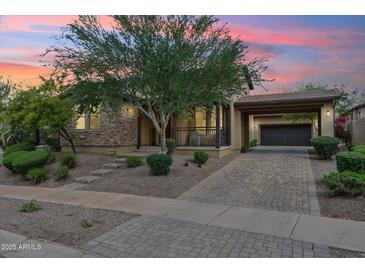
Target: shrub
x: 68, y: 159
x: 253, y: 143
x: 30, y: 206
x: 359, y: 149
x: 200, y: 157
x: 25, y: 146
x: 8, y: 160
x: 350, y: 161
x: 325, y: 146
x: 170, y: 143
x: 133, y: 161
x: 33, y: 159
x: 345, y: 183
x: 86, y: 224
x: 159, y: 164
x: 37, y: 175
x: 243, y: 149
x: 61, y: 172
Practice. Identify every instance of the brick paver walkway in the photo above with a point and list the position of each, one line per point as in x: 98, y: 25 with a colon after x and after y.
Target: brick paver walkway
x: 267, y: 177
x: 149, y: 236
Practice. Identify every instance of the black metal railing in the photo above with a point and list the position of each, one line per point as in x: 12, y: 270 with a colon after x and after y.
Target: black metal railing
x: 201, y: 136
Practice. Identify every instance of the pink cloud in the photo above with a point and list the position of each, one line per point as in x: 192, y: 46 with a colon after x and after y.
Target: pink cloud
x: 22, y: 73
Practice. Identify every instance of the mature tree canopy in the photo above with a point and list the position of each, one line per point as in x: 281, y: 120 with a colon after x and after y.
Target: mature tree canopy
x: 162, y: 65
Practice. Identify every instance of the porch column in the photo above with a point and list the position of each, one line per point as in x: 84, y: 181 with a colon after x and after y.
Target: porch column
x: 319, y: 118
x: 174, y: 123
x: 245, y: 129
x: 228, y: 124
x: 139, y: 132
x: 217, y: 126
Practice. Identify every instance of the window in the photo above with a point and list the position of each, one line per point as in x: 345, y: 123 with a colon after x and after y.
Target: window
x: 89, y: 121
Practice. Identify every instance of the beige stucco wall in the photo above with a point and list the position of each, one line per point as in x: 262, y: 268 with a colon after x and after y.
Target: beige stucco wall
x: 328, y: 126
x: 235, y: 127
x: 255, y: 132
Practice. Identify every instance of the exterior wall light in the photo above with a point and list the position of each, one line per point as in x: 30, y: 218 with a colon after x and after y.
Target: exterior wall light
x: 328, y: 113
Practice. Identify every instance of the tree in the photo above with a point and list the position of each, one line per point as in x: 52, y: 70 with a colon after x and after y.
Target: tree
x: 6, y: 88
x: 348, y: 99
x: 162, y: 65
x: 38, y: 108
x: 311, y: 116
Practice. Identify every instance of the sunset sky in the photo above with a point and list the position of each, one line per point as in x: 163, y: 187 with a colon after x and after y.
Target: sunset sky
x: 326, y: 49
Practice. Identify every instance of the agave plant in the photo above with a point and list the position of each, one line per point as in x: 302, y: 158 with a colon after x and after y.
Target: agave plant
x: 5, y: 135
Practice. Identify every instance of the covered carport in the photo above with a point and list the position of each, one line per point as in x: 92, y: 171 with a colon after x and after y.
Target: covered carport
x: 321, y: 102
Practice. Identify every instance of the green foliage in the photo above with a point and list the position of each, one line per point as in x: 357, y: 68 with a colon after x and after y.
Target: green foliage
x: 170, y: 143
x: 350, y: 161
x: 325, y: 146
x: 86, y: 224
x: 17, y: 147
x: 33, y: 159
x: 68, y: 159
x: 61, y: 173
x: 200, y: 157
x: 133, y: 161
x: 359, y: 149
x: 253, y: 143
x: 243, y: 149
x: 37, y: 175
x: 31, y: 206
x: 159, y: 164
x: 180, y: 61
x: 345, y: 183
x: 8, y: 160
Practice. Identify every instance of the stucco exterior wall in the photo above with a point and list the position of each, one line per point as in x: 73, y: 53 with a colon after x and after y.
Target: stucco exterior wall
x: 327, y: 122
x: 236, y: 138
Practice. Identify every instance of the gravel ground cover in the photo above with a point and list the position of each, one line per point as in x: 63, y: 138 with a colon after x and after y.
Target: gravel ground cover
x: 138, y: 181
x: 337, y: 207
x: 59, y: 223
x: 86, y: 162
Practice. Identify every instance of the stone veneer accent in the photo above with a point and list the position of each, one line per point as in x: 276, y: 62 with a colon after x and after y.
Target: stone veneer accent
x: 120, y: 130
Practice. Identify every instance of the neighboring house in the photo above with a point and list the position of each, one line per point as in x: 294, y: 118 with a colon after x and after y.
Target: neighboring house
x: 357, y: 124
x: 219, y: 131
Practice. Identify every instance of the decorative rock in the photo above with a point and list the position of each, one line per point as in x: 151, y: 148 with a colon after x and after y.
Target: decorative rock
x: 113, y: 165
x: 101, y: 171
x: 87, y: 179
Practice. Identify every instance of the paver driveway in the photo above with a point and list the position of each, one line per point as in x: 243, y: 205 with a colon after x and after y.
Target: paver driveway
x: 278, y: 178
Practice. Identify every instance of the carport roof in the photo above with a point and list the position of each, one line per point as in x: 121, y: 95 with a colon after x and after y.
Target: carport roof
x: 321, y: 95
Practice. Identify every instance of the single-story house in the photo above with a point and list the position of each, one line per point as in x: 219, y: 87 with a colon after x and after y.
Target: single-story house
x: 219, y: 131
x: 357, y: 124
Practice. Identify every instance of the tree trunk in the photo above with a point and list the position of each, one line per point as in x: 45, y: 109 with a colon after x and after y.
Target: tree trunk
x: 68, y: 138
x: 163, y: 140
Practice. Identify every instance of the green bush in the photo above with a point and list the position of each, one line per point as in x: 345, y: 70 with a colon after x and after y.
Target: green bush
x: 54, y: 143
x: 253, y: 143
x: 30, y: 206
x: 61, y: 173
x: 37, y: 175
x: 8, y: 160
x: 350, y: 161
x: 25, y: 146
x: 133, y: 161
x: 325, y: 146
x: 359, y: 149
x: 243, y: 149
x: 33, y: 159
x: 345, y: 183
x: 170, y: 143
x: 159, y: 164
x: 68, y: 159
x: 200, y: 157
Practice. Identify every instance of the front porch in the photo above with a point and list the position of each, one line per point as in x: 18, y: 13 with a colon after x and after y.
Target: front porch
x: 207, y: 128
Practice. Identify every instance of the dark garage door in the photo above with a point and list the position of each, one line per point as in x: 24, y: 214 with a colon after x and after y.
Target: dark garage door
x: 292, y: 135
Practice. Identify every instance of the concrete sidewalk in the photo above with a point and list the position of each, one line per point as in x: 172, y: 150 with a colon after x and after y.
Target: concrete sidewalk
x: 18, y: 246
x: 320, y: 230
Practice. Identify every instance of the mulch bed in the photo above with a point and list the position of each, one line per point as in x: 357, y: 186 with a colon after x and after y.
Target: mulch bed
x: 59, y: 223
x: 138, y: 181
x: 352, y: 208
x: 86, y: 162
